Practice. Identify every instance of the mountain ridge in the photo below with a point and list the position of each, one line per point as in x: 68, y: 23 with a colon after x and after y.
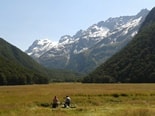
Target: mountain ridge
x: 134, y: 63
x: 72, y: 49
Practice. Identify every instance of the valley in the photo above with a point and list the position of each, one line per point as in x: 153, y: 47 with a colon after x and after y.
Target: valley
x: 107, y: 69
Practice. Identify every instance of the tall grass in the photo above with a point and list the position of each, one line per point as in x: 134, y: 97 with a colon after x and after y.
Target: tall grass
x: 89, y: 99
x: 139, y: 112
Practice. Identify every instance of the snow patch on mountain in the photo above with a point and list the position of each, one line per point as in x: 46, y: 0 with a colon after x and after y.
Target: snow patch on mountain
x: 134, y: 33
x: 82, y: 50
x: 96, y: 31
x: 39, y: 47
x: 131, y: 24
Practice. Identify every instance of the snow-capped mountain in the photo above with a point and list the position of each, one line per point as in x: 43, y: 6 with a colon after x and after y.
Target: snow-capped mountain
x: 88, y: 48
x: 39, y: 47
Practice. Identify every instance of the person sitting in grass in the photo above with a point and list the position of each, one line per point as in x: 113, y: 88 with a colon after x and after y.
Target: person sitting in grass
x: 67, y: 102
x: 55, y: 102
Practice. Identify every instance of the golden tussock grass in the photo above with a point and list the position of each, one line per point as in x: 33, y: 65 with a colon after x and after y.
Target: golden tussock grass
x: 89, y: 99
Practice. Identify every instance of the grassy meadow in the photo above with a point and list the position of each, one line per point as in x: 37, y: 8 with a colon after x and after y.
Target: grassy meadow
x: 87, y: 99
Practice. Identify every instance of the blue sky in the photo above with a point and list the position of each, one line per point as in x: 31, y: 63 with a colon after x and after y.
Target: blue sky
x: 23, y: 21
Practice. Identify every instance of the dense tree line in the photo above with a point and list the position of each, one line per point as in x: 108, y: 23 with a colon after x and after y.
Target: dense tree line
x: 14, y: 74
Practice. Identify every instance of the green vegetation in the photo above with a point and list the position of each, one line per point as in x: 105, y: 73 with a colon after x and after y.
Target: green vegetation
x: 16, y: 67
x: 60, y: 75
x: 133, y: 64
x: 88, y: 99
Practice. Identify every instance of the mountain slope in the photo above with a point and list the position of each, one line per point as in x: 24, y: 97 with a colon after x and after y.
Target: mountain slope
x: 89, y: 48
x: 123, y: 30
x: 135, y: 63
x: 17, y: 67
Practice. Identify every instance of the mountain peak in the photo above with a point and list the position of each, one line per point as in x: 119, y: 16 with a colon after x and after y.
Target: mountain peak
x: 150, y: 18
x: 42, y: 41
x: 40, y: 46
x: 65, y: 38
x: 134, y: 63
x: 113, y: 33
x: 143, y: 11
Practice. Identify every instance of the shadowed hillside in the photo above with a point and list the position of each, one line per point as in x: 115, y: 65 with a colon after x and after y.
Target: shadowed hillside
x: 16, y: 67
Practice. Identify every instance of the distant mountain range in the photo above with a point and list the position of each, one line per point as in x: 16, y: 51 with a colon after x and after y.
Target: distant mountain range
x: 135, y: 63
x: 87, y: 49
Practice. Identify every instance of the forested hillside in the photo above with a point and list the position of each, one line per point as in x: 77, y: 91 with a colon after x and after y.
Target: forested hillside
x: 16, y: 67
x: 135, y: 63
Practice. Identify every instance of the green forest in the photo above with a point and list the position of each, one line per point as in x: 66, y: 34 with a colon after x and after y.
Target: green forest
x: 16, y: 67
